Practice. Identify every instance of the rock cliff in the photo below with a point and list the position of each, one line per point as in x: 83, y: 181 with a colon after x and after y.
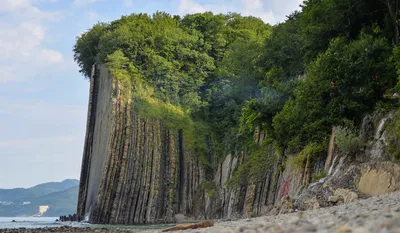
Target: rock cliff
x: 137, y: 170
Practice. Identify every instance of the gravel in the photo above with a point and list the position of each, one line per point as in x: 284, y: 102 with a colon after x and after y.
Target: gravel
x: 373, y: 215
x: 376, y: 215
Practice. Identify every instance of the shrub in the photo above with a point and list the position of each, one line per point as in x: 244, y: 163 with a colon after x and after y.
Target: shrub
x: 209, y: 188
x: 261, y: 158
x: 319, y: 176
x: 311, y: 151
x: 393, y: 129
x: 348, y: 140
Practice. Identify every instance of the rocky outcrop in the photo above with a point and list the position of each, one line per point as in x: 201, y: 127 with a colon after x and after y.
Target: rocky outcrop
x: 137, y: 170
x: 134, y: 170
x: 367, y: 173
x: 373, y: 215
x: 379, y: 178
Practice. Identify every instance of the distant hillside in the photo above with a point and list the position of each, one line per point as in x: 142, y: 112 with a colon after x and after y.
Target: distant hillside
x: 60, y: 203
x: 11, y: 195
x: 59, y: 196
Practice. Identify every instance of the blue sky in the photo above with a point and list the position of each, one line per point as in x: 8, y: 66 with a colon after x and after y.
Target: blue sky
x: 43, y: 98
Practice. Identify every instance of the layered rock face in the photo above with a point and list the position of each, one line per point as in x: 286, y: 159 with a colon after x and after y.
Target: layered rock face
x: 136, y: 170
x: 368, y: 172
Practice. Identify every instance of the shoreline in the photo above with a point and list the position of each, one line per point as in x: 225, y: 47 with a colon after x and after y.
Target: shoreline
x: 379, y: 214
x: 69, y: 229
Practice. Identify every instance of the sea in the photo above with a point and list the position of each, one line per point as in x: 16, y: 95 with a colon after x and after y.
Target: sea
x: 41, y: 222
x: 28, y: 222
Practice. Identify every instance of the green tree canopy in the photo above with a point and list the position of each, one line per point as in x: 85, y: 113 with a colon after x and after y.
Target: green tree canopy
x: 327, y: 64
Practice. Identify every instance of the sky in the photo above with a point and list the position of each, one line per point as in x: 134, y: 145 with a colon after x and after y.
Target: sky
x: 43, y: 97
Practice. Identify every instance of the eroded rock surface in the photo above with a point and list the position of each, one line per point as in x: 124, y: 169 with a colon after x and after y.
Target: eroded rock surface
x: 138, y: 170
x: 380, y: 180
x: 373, y: 215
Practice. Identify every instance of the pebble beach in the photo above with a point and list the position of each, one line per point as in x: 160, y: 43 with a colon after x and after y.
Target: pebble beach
x: 372, y: 215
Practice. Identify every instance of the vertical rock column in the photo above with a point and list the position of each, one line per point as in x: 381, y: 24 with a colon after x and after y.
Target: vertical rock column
x: 134, y: 170
x: 97, y: 131
x: 87, y: 147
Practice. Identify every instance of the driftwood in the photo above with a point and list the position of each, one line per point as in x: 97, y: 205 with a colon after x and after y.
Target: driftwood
x: 190, y: 226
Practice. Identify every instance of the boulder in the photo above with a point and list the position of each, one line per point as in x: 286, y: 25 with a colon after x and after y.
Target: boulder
x: 180, y: 218
x: 333, y: 199
x: 346, y: 195
x: 380, y: 178
x: 312, y: 204
x: 286, y: 205
x: 314, y: 198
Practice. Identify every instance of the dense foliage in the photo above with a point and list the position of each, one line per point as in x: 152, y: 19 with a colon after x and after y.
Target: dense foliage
x: 227, y: 76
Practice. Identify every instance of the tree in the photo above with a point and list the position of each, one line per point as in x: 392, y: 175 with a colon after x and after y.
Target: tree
x: 361, y: 71
x: 324, y: 20
x: 393, y: 9
x: 327, y: 64
x: 87, y: 48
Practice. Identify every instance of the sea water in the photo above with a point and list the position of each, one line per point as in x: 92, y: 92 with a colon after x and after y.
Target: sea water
x: 41, y: 222
x: 28, y: 222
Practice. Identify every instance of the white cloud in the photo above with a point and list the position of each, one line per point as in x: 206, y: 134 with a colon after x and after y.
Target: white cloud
x: 190, y: 7
x: 50, y: 56
x: 25, y: 9
x: 7, y: 74
x: 128, y: 3
x: 36, y: 134
x: 23, y: 36
x: 256, y: 8
x: 10, y: 5
x: 17, y: 42
x: 84, y: 2
x: 270, y: 11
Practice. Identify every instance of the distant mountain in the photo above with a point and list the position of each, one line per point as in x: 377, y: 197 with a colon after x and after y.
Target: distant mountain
x: 60, y: 197
x: 11, y: 195
x: 60, y: 203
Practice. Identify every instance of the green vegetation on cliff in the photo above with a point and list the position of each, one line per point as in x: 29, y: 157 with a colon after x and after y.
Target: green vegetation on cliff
x: 220, y: 78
